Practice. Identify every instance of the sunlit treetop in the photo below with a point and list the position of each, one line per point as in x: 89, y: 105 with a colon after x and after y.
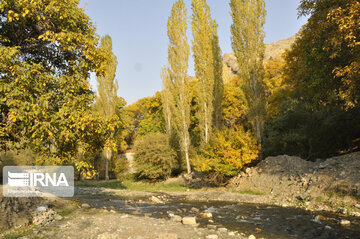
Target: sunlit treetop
x: 57, y: 34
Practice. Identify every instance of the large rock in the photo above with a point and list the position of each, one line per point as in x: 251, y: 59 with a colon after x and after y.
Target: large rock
x: 189, y: 220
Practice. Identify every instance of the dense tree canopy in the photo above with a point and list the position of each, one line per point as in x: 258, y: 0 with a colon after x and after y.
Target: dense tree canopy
x: 316, y: 109
x: 47, y: 49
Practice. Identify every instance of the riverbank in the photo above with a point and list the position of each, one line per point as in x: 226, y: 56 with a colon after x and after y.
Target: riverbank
x: 331, y: 185
x: 335, y: 203
x: 134, y: 214
x: 82, y: 221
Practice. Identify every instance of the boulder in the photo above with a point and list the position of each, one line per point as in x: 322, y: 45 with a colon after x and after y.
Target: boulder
x: 189, y: 220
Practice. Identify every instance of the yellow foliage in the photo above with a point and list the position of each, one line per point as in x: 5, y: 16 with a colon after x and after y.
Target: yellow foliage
x: 229, y: 151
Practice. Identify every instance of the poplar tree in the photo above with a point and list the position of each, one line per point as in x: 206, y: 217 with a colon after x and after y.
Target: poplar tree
x: 248, y: 45
x: 107, y: 98
x: 175, y: 79
x: 218, y: 80
x: 166, y: 96
x: 208, y: 68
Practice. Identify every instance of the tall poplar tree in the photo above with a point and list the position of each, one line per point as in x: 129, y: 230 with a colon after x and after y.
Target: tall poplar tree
x: 175, y: 79
x: 248, y: 45
x: 218, y: 80
x: 166, y: 96
x: 107, y: 98
x: 208, y: 68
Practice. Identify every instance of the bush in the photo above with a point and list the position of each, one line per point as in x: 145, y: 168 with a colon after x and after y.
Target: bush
x: 154, y: 157
x: 121, y: 165
x: 227, y: 153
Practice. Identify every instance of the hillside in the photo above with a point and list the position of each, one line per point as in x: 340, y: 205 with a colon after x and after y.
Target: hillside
x: 271, y: 51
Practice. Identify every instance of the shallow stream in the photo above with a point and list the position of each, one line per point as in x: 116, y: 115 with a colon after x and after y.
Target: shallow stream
x: 264, y: 221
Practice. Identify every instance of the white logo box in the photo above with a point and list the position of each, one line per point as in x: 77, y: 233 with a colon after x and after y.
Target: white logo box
x: 38, y: 181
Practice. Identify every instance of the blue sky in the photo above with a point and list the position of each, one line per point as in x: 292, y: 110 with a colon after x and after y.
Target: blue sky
x: 138, y: 31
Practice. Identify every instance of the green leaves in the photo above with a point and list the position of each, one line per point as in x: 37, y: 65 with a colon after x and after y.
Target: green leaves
x: 176, y: 95
x: 47, y: 49
x: 154, y: 157
x: 208, y: 68
x: 248, y: 45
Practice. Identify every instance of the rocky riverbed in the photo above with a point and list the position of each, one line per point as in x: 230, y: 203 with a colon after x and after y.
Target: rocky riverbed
x: 282, y: 197
x: 160, y: 215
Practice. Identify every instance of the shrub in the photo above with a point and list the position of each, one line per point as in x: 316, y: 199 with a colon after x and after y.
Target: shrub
x: 121, y: 165
x: 154, y: 157
x: 227, y: 153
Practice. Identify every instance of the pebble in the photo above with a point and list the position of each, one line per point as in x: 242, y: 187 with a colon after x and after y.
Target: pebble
x: 345, y: 222
x: 205, y: 215
x: 41, y: 208
x: 189, y: 220
x: 222, y: 229
x: 211, y: 226
x: 85, y: 205
x: 342, y: 210
x: 58, y: 217
x: 212, y: 237
x: 168, y: 236
x: 194, y: 209
x: 252, y: 237
x: 139, y: 237
x: 357, y: 206
x: 231, y: 233
x: 155, y: 200
x: 356, y: 214
x: 175, y: 218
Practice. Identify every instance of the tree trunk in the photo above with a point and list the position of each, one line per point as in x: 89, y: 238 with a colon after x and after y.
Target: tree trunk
x: 187, y: 161
x: 108, y: 158
x: 186, y: 151
x: 206, y: 124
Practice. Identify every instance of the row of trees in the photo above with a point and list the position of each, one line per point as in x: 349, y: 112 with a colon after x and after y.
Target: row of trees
x: 304, y: 103
x: 197, y: 103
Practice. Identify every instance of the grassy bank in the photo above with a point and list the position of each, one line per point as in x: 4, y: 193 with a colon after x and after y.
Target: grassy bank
x: 131, y: 184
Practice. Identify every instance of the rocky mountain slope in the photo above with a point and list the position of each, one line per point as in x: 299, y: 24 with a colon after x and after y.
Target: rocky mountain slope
x: 272, y: 50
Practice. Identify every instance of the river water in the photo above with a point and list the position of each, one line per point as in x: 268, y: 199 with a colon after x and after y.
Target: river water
x: 264, y: 221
